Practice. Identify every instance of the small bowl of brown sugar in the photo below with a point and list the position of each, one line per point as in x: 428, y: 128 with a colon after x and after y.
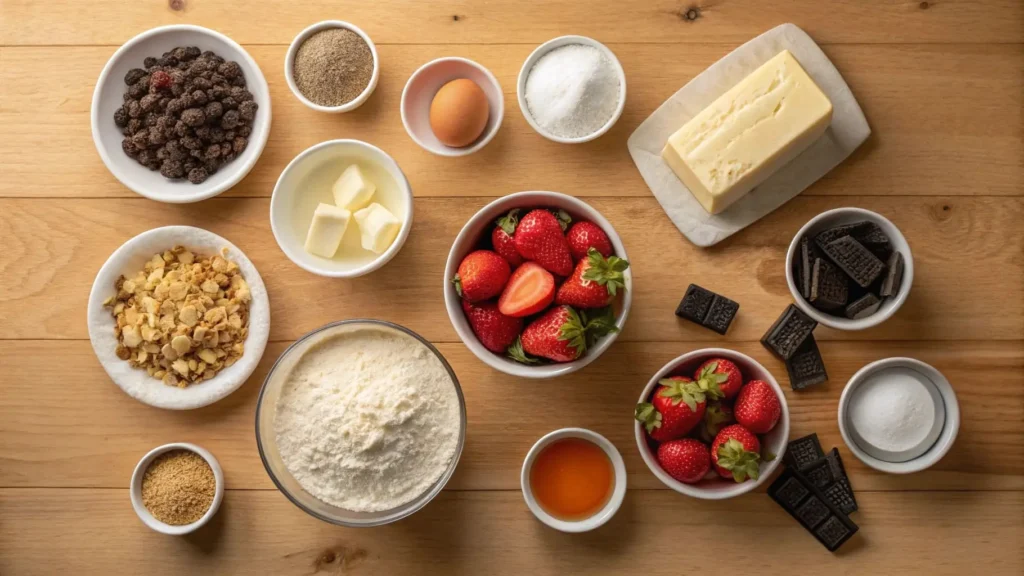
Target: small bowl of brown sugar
x: 176, y: 488
x: 332, y: 66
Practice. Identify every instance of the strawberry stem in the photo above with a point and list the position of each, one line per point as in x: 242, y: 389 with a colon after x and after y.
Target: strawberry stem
x: 648, y: 415
x: 509, y: 221
x: 457, y: 282
x: 516, y: 352
x: 736, y: 459
x: 607, y: 272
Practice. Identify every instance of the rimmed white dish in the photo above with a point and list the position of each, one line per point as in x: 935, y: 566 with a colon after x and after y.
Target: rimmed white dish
x: 295, y: 198
x: 108, y: 97
x: 135, y: 489
x: 289, y: 66
x: 469, y: 239
x: 775, y: 441
x: 937, y: 448
x: 129, y: 259
x: 837, y: 217
x: 614, y: 501
x: 540, y: 51
x: 419, y: 92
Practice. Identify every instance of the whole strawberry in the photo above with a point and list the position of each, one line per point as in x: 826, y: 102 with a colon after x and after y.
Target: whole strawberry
x: 595, y: 281
x: 582, y: 236
x: 686, y: 460
x: 501, y: 238
x: 494, y: 330
x: 721, y: 378
x: 482, y: 274
x: 677, y: 406
x: 736, y: 453
x: 561, y: 335
x: 539, y: 238
x: 718, y: 415
x: 758, y: 407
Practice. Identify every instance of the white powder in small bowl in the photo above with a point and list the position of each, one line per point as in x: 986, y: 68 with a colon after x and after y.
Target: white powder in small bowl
x: 573, y: 91
x: 897, y: 413
x: 368, y: 420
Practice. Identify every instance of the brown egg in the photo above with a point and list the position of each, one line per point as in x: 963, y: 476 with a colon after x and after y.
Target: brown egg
x: 458, y: 113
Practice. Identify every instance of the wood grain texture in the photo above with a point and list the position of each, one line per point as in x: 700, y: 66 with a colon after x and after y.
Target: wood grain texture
x: 488, y: 533
x: 87, y: 433
x: 946, y: 120
x: 968, y: 285
x: 465, y: 21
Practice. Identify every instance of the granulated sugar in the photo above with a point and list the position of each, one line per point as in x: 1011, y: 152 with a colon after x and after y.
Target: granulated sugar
x: 893, y: 414
x: 573, y: 91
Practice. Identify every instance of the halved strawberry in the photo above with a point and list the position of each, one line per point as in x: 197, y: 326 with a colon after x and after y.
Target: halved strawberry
x: 530, y: 290
x: 494, y: 330
x: 482, y: 274
x: 502, y: 238
x: 595, y: 281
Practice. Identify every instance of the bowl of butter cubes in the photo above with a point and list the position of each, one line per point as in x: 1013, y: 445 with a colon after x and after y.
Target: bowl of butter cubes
x: 341, y: 209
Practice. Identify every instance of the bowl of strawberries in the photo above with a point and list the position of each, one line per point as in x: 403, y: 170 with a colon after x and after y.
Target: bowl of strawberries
x: 712, y: 424
x: 537, y: 284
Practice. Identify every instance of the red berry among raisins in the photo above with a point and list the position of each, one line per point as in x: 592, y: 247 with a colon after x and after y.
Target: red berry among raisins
x: 159, y: 80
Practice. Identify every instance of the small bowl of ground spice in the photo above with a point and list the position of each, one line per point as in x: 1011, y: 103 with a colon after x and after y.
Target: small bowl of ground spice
x: 176, y: 488
x: 332, y: 66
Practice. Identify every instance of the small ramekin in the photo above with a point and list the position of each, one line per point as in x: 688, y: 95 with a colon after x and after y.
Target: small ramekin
x: 548, y: 46
x: 837, y: 217
x: 423, y: 85
x: 618, y: 491
x: 289, y: 66
x: 135, y: 490
x: 950, y: 427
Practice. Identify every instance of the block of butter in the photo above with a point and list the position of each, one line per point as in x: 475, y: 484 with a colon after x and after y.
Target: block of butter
x: 378, y: 227
x: 328, y: 227
x: 353, y: 190
x: 748, y: 133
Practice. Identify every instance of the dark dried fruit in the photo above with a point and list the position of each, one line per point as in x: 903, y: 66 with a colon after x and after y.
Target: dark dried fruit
x: 175, y: 106
x: 133, y: 125
x: 134, y: 75
x: 198, y: 98
x: 172, y: 169
x: 193, y: 117
x: 239, y: 144
x: 197, y: 175
x: 214, y: 110
x: 149, y: 62
x: 230, y: 119
x: 134, y: 109
x: 229, y: 70
x: 213, y: 151
x: 121, y: 117
x: 129, y: 147
x: 149, y: 102
x: 247, y: 110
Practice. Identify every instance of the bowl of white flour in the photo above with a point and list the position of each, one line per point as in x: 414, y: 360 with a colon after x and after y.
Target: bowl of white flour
x: 360, y: 422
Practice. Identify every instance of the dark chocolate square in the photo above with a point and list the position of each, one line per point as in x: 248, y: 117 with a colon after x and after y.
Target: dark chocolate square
x: 840, y: 494
x: 893, y: 276
x: 813, y: 511
x: 829, y: 475
x: 788, y: 332
x: 803, y: 451
x: 695, y: 304
x: 874, y: 239
x: 828, y: 286
x: 806, y: 367
x: 831, y: 529
x: 833, y: 532
x: 791, y: 493
x: 863, y: 307
x: 825, y: 237
x: 853, y: 258
x: 720, y: 314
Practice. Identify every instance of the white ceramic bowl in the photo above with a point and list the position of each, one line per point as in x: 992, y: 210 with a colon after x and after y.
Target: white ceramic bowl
x: 135, y: 490
x: 289, y: 66
x: 618, y: 490
x: 301, y: 187
x: 108, y: 97
x: 266, y: 437
x: 837, y: 217
x: 423, y: 85
x: 717, y: 488
x: 129, y: 259
x: 543, y: 49
x: 477, y: 228
x: 950, y: 427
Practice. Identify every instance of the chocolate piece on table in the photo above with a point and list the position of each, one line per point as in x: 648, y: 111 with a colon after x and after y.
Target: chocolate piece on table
x: 829, y: 475
x: 695, y: 304
x: 893, y: 276
x: 720, y: 314
x: 803, y: 451
x: 828, y: 286
x: 788, y: 332
x: 806, y: 368
x: 853, y: 258
x: 804, y: 502
x: 863, y: 307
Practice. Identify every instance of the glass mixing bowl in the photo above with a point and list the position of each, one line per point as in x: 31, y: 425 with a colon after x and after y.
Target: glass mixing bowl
x: 266, y: 439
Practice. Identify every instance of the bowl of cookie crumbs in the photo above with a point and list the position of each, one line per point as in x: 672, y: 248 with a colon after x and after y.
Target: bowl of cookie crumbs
x: 176, y: 488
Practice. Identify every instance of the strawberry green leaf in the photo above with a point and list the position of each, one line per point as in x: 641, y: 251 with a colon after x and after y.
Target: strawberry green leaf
x: 458, y: 284
x: 607, y: 272
x: 710, y: 382
x: 648, y: 415
x: 735, y: 458
x: 679, y: 391
x: 563, y: 218
x: 573, y: 331
x: 598, y: 323
x: 509, y: 221
x: 768, y: 456
x: 516, y: 352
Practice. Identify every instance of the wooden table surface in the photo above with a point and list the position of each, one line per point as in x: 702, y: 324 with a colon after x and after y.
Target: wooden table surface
x: 942, y: 85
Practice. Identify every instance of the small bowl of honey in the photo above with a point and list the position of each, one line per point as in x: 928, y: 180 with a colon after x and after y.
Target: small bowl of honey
x: 573, y: 480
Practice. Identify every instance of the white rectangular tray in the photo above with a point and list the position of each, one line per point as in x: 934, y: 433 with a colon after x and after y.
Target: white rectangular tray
x: 848, y: 130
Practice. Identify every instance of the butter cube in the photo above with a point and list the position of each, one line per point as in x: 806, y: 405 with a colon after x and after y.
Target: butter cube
x: 327, y: 229
x: 352, y: 190
x: 378, y: 227
x: 749, y: 133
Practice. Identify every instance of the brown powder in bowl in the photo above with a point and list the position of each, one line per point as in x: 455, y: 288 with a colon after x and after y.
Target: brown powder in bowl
x: 333, y: 67
x: 178, y: 487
